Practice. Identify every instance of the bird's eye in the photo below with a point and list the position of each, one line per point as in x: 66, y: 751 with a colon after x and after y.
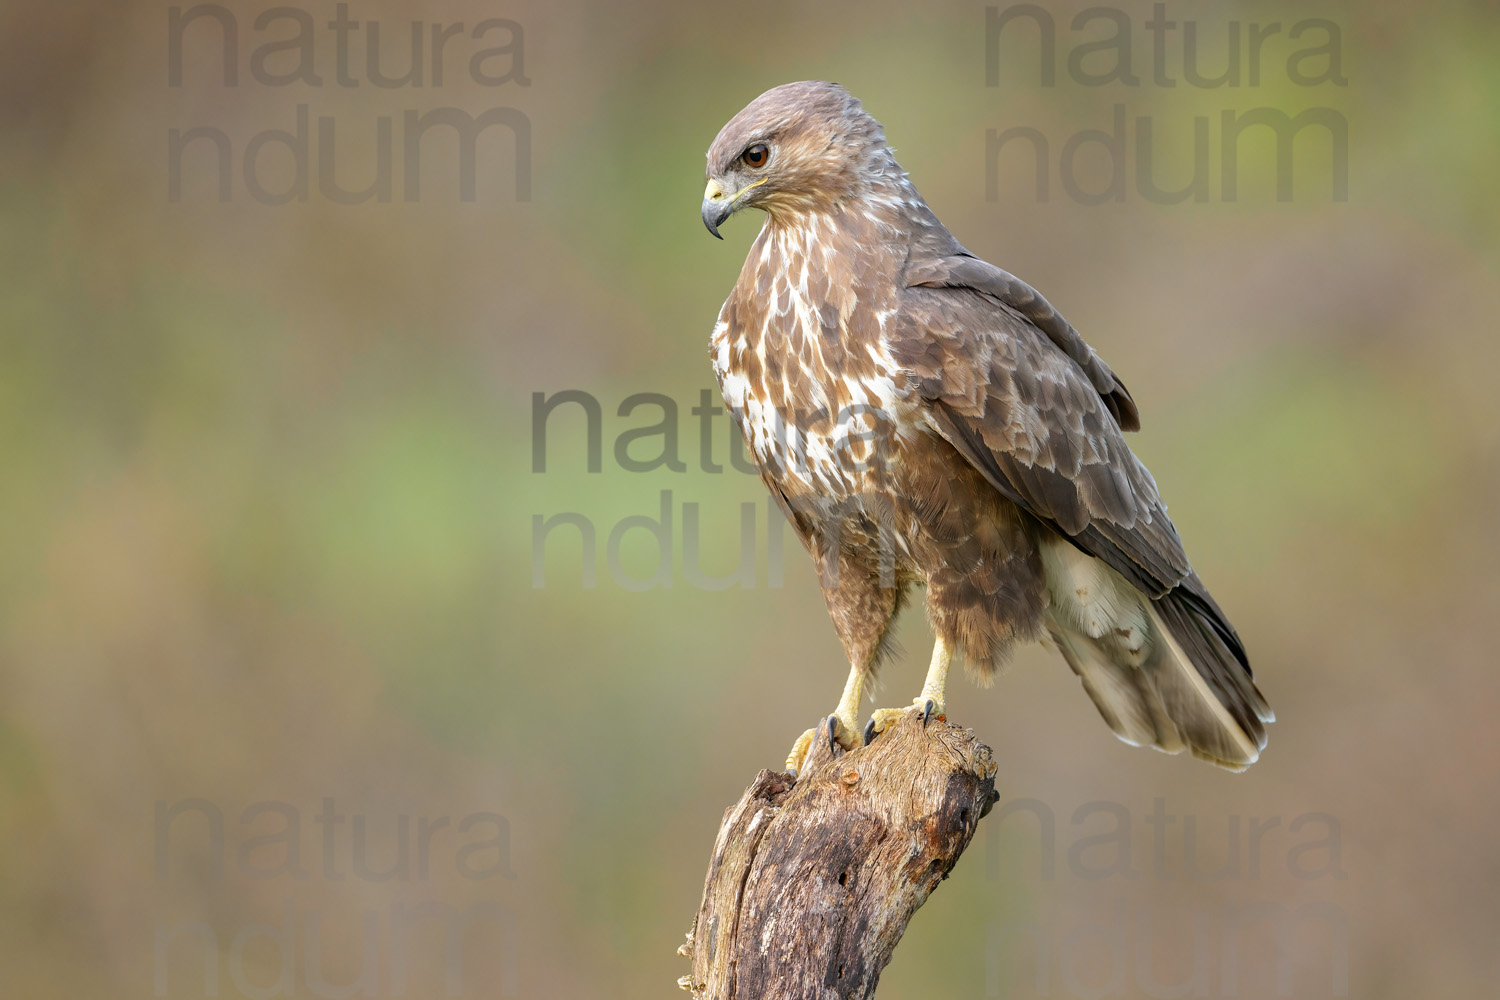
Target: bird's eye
x: 756, y: 156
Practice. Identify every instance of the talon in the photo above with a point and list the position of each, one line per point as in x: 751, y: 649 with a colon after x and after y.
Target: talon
x: 927, y: 711
x: 882, y: 719
x: 795, y: 759
x: 833, y: 734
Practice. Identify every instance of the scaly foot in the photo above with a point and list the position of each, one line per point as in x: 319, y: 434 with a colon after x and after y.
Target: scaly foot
x: 929, y: 702
x: 842, y: 724
x: 842, y: 732
x: 884, y: 718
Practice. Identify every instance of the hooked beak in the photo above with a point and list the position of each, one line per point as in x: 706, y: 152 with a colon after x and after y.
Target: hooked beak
x: 719, y: 204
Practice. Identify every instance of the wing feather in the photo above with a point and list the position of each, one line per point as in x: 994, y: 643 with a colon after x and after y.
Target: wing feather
x: 1016, y: 391
x: 967, y: 271
x: 1024, y: 413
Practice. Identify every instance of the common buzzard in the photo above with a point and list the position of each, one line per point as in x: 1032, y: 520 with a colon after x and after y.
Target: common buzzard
x: 924, y: 418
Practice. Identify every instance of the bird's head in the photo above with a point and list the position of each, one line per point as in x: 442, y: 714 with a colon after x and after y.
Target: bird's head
x: 800, y: 147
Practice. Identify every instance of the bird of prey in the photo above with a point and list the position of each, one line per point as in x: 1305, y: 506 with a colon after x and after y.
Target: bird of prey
x: 923, y: 417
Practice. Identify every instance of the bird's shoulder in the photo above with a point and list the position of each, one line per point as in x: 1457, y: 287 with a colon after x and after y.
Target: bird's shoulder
x: 990, y: 302
x: 1015, y: 389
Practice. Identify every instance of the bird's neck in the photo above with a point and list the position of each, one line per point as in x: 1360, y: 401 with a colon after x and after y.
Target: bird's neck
x: 884, y: 212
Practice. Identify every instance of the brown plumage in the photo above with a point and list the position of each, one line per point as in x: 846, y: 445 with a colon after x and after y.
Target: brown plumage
x: 924, y: 417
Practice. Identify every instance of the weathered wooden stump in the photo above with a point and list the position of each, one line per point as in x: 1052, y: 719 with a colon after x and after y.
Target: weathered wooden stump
x: 812, y: 883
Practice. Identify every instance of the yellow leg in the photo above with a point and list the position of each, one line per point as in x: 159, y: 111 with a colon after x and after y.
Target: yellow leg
x: 848, y: 718
x: 937, y: 676
x: 930, y: 701
x: 848, y: 710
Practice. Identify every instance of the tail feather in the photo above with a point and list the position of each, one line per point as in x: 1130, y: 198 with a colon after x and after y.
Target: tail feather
x: 1124, y: 696
x: 1198, y: 637
x: 1192, y: 691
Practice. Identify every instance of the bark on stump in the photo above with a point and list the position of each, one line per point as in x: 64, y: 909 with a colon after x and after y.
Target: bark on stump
x: 812, y: 883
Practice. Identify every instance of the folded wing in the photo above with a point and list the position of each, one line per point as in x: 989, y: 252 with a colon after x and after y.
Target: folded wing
x: 1020, y: 395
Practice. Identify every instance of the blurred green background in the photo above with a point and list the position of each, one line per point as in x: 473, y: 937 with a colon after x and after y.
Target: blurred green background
x: 267, y: 500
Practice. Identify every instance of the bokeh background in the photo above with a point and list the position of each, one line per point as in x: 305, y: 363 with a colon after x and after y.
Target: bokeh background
x: 267, y: 501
